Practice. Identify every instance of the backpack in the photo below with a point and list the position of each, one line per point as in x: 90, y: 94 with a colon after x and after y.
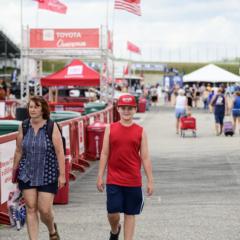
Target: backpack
x: 50, y: 125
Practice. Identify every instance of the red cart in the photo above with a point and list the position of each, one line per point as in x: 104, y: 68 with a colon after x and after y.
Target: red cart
x: 188, y: 123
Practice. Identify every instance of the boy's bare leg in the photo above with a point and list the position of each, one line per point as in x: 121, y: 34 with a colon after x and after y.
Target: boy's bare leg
x: 129, y: 226
x: 114, y: 219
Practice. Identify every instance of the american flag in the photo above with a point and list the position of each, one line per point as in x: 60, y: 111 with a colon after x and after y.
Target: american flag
x: 132, y: 6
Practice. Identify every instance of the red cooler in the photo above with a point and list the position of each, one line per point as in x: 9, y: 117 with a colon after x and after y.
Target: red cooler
x: 95, y: 134
x: 142, y: 105
x: 62, y: 195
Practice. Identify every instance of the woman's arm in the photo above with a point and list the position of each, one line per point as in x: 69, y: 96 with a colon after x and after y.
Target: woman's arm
x: 58, y: 146
x: 147, y: 165
x: 103, y: 159
x: 18, y: 150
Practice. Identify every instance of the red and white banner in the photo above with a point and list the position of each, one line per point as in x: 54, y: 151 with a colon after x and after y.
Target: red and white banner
x: 52, y: 5
x: 133, y: 48
x: 6, y: 162
x: 81, y: 137
x: 132, y: 6
x: 64, y: 38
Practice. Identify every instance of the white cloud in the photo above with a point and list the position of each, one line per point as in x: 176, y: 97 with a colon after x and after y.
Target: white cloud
x: 167, y: 29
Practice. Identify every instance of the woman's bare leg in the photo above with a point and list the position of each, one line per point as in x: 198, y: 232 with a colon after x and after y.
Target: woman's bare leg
x: 31, y: 196
x: 45, y: 207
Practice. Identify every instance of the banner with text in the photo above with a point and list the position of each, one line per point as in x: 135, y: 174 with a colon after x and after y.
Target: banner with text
x: 6, y: 162
x: 64, y: 38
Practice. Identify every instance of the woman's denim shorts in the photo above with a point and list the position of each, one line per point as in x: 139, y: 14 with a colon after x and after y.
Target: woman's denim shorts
x: 179, y: 112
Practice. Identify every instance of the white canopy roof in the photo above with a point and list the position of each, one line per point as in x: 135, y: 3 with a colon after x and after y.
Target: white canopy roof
x: 211, y: 73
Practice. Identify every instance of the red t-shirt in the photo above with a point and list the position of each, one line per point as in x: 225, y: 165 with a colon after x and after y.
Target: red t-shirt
x: 124, y: 162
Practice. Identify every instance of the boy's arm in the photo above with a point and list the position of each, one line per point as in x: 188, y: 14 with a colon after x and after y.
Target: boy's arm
x: 103, y: 160
x: 147, y: 165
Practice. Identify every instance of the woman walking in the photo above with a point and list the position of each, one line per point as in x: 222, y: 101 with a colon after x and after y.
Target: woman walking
x: 236, y: 110
x: 219, y: 104
x: 41, y: 163
x: 180, y: 107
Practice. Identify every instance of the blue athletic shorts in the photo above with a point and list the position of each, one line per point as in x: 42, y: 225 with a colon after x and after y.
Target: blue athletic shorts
x: 219, y: 118
x: 236, y: 112
x: 50, y: 188
x: 128, y: 200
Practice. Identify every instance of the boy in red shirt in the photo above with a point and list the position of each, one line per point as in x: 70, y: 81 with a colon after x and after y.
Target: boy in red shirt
x: 124, y: 151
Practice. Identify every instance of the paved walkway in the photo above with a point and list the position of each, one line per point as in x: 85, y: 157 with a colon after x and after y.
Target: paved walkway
x: 197, y: 189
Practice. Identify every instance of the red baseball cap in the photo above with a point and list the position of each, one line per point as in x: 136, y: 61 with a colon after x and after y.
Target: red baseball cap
x: 127, y: 100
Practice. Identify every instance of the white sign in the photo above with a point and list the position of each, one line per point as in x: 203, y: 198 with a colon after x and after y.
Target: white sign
x: 48, y: 35
x: 6, y: 162
x: 91, y: 120
x: 65, y: 133
x: 2, y: 109
x: 73, y: 70
x: 102, y: 117
x: 81, y: 137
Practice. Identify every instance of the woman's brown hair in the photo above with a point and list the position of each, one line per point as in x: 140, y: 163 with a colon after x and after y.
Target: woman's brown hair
x: 237, y: 93
x: 40, y: 101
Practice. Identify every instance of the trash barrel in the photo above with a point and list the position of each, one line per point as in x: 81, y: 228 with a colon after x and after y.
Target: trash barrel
x: 21, y: 113
x: 142, y: 105
x: 95, y: 134
x: 62, y: 196
x: 60, y: 116
x: 8, y: 126
x: 92, y: 107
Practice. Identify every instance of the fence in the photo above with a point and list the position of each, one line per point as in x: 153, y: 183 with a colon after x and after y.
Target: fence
x: 8, y: 109
x: 75, y: 133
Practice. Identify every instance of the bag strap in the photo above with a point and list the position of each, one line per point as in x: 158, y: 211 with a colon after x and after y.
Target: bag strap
x: 25, y: 126
x: 50, y: 126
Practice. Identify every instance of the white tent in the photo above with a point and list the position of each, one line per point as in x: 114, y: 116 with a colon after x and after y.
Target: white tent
x: 211, y: 73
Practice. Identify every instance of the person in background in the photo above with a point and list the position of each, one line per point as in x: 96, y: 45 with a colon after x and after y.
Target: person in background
x: 154, y: 95
x: 218, y: 102
x: 41, y: 165
x: 210, y: 97
x: 124, y: 150
x: 3, y: 89
x: 189, y: 96
x: 180, y: 107
x: 236, y: 110
x: 205, y: 95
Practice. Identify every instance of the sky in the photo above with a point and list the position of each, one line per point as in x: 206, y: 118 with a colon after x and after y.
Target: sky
x: 168, y: 30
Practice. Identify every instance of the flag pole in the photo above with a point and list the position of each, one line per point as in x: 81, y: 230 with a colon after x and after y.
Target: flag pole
x: 113, y: 65
x: 21, y: 50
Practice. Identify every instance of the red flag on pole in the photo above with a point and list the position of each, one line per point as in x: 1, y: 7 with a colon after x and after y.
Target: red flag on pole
x: 126, y: 70
x: 52, y: 5
x: 132, y: 6
x: 133, y: 48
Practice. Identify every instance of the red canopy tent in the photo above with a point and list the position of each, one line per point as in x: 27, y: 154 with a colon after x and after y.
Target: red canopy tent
x: 76, y: 73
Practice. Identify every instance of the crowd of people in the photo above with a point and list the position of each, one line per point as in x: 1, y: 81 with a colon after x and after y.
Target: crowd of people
x: 222, y: 101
